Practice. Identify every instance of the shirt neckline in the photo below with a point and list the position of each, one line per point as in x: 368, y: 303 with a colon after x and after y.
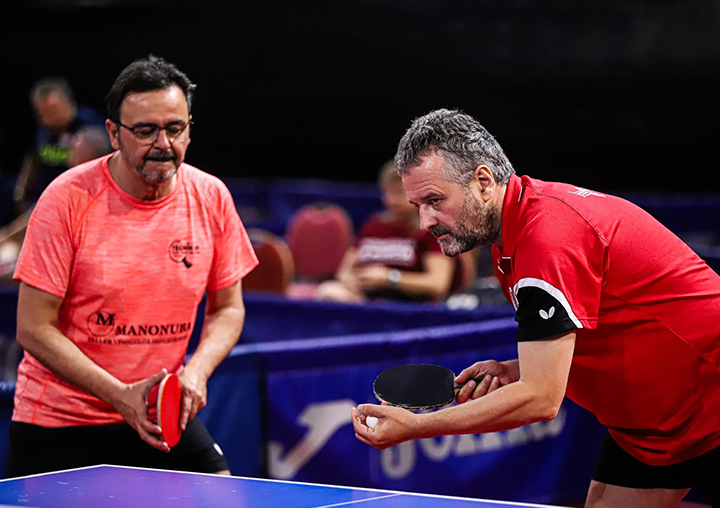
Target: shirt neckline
x: 141, y: 203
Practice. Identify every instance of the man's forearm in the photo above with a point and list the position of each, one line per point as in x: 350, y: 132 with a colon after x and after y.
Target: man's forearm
x: 62, y: 357
x: 220, y: 333
x: 508, y: 407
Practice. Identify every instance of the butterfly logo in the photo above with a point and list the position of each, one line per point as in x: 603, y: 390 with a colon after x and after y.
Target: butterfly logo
x: 547, y: 315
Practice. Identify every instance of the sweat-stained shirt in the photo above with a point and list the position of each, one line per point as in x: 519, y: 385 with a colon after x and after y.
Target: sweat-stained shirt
x: 131, y: 274
x: 644, y: 306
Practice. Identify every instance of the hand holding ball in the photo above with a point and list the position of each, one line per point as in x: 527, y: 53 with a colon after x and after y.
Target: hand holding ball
x: 371, y: 421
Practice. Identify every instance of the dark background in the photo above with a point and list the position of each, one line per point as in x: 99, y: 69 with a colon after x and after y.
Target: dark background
x: 611, y: 95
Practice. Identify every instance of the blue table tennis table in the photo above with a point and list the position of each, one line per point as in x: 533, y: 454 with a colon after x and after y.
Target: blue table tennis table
x: 116, y: 487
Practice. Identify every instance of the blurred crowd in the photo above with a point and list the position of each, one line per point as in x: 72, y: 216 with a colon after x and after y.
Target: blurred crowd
x: 388, y: 258
x: 66, y: 134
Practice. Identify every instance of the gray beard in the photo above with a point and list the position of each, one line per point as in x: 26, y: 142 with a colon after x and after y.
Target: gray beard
x: 154, y: 176
x: 475, y: 225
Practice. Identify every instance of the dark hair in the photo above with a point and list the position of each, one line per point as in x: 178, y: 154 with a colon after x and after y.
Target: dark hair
x: 145, y: 75
x: 48, y: 85
x: 464, y: 143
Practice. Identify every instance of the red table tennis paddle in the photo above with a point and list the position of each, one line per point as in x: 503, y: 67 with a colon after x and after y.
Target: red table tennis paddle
x: 416, y: 386
x: 164, y: 401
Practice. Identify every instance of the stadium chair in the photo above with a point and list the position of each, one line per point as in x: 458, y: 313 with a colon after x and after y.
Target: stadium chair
x: 276, y: 269
x: 318, y: 236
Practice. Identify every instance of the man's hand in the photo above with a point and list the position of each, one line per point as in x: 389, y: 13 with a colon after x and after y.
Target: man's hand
x: 395, y: 425
x: 485, y: 377
x: 131, y: 403
x: 372, y: 277
x: 194, y: 395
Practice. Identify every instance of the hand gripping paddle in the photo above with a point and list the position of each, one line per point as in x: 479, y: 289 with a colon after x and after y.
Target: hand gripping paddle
x: 164, y: 402
x: 416, y: 386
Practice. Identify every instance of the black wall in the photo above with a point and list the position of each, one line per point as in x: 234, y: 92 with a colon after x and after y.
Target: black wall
x: 606, y: 94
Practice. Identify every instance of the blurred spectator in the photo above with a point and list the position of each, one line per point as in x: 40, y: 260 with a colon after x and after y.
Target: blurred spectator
x: 58, y: 117
x: 392, y: 257
x: 484, y: 289
x: 88, y: 143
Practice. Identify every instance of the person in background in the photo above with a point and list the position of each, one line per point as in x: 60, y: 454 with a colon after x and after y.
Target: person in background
x: 119, y: 253
x: 58, y: 118
x: 613, y: 310
x: 392, y: 258
x: 89, y: 143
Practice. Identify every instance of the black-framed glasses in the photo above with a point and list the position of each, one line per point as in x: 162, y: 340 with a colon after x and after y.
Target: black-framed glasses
x: 148, y: 133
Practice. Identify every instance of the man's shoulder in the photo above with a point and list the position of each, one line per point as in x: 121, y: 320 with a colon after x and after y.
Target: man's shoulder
x: 202, y: 181
x: 87, y: 179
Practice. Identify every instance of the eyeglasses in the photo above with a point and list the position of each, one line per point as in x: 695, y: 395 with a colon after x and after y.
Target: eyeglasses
x: 148, y: 133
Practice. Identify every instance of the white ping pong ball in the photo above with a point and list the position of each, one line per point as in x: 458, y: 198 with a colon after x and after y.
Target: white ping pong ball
x: 371, y: 421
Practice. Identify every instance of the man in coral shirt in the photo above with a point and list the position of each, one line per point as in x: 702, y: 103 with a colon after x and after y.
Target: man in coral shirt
x: 118, y: 255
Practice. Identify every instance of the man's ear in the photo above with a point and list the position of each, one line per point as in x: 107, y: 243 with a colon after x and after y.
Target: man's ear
x: 485, y: 182
x: 113, y: 133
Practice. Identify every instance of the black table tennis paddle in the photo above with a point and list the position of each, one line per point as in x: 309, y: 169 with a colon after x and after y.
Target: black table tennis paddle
x: 419, y: 386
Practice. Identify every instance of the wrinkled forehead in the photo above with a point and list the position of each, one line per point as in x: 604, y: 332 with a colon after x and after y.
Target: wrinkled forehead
x: 427, y: 181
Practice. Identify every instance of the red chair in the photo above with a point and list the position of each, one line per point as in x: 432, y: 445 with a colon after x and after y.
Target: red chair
x: 276, y: 269
x: 318, y: 236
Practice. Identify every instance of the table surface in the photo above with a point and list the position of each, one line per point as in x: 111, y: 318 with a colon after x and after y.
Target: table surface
x: 115, y: 487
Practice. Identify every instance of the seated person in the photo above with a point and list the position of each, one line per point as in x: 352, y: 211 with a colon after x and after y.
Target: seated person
x: 392, y: 257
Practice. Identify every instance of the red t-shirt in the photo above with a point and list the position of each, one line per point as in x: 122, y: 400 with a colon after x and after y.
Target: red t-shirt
x: 385, y: 242
x: 382, y: 241
x: 131, y: 274
x: 644, y: 306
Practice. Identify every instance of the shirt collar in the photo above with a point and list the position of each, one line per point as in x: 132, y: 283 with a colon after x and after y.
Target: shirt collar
x: 511, y: 213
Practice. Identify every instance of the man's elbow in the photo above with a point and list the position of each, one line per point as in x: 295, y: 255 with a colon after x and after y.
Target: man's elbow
x: 25, y: 337
x: 549, y: 407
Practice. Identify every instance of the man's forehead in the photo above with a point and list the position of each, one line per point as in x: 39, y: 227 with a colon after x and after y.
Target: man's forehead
x: 422, y: 181
x: 163, y: 101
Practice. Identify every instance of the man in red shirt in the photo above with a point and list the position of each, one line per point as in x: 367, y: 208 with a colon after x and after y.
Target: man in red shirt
x: 613, y: 311
x: 118, y: 255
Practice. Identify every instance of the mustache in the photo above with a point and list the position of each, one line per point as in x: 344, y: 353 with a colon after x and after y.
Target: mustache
x: 164, y: 156
x: 439, y: 230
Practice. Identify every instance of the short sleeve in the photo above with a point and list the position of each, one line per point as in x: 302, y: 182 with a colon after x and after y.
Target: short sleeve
x: 559, y: 267
x: 233, y: 254
x: 48, y: 251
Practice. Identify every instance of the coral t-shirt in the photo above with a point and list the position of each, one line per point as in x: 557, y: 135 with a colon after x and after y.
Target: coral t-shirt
x: 131, y: 274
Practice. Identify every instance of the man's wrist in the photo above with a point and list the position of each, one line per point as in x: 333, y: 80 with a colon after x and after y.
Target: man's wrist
x: 394, y: 276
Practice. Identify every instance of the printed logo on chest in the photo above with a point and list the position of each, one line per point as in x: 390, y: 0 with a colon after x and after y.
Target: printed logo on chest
x: 183, y: 251
x: 390, y: 251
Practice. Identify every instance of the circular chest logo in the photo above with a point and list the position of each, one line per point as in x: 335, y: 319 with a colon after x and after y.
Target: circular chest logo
x: 183, y: 252
x: 101, y: 324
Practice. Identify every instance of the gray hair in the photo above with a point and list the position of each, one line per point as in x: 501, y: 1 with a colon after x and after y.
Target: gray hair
x: 95, y: 138
x: 45, y: 86
x: 464, y: 143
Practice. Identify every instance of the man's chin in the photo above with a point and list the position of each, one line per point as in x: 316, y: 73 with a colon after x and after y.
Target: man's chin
x: 156, y: 176
x: 450, y: 248
x: 453, y: 248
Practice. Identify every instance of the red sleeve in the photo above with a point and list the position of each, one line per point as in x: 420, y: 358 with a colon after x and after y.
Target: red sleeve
x: 558, y: 272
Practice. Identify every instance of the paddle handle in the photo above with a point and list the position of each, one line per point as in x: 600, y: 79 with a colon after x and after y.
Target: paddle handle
x: 458, y: 386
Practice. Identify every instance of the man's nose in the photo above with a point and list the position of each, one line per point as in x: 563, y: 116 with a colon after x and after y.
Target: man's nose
x: 427, y: 218
x: 163, y: 140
